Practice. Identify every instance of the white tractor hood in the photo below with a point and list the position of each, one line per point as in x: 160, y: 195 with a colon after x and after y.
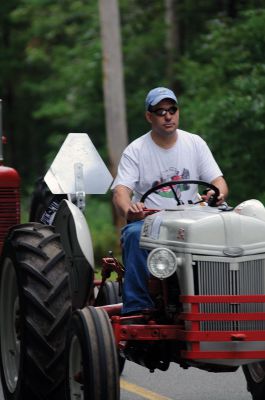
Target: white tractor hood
x: 204, y: 230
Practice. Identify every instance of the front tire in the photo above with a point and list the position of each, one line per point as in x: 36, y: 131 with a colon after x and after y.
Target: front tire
x: 255, y: 376
x: 35, y: 304
x: 109, y: 294
x: 92, y: 357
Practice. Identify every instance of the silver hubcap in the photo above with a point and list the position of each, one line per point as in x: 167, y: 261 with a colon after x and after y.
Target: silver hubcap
x: 9, y: 330
x: 75, y: 370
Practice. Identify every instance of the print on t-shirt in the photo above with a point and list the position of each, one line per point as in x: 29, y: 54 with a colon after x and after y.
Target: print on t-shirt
x: 172, y: 174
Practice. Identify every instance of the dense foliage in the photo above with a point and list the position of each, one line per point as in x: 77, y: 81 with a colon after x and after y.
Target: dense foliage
x: 51, y: 80
x: 224, y: 101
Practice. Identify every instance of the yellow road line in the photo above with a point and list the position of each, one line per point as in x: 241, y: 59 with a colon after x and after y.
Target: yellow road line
x: 146, y: 394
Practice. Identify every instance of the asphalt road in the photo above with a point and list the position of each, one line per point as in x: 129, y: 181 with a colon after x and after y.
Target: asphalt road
x: 137, y: 383
x: 178, y: 384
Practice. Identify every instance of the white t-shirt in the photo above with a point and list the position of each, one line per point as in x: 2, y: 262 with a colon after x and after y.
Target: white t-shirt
x: 144, y: 164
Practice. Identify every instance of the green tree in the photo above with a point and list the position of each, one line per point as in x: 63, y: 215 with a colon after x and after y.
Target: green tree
x: 51, y: 72
x: 55, y: 88
x: 223, y: 82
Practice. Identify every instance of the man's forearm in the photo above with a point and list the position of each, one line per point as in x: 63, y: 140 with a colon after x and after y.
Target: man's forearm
x: 220, y: 183
x: 122, y: 200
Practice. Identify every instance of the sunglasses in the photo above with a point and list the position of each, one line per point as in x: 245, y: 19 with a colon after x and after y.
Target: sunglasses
x: 161, y: 112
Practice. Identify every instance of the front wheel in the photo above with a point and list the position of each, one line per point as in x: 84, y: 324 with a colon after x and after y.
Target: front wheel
x: 255, y: 376
x: 93, y: 372
x: 109, y: 294
x: 35, y: 307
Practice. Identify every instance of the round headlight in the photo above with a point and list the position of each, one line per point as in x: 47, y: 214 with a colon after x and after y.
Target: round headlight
x: 162, y: 263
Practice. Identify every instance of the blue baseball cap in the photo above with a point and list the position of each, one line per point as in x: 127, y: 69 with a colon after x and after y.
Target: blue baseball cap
x: 158, y: 94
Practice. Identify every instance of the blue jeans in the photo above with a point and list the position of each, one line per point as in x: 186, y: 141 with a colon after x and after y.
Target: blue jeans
x: 135, y: 288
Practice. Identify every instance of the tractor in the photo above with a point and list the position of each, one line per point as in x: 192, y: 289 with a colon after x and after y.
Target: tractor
x: 207, y: 281
x: 65, y: 336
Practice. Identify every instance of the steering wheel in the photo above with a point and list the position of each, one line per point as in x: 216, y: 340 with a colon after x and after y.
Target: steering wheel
x: 211, y: 202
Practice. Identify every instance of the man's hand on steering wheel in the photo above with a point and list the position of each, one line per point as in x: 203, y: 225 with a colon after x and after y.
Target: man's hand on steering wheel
x: 208, y: 196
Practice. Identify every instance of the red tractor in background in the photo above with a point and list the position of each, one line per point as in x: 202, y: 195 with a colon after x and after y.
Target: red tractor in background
x: 34, y: 299
x: 10, y: 195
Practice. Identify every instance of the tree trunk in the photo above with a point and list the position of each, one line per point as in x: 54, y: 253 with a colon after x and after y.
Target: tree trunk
x: 172, y: 40
x: 113, y: 85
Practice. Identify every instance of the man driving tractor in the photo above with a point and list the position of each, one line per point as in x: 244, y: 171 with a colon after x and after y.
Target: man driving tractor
x: 165, y: 153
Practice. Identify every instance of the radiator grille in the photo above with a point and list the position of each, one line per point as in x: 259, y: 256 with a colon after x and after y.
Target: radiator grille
x: 230, y: 278
x: 9, y: 210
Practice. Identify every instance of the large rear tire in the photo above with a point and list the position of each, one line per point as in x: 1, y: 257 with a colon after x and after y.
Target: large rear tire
x: 255, y: 376
x: 93, y: 372
x: 35, y: 306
